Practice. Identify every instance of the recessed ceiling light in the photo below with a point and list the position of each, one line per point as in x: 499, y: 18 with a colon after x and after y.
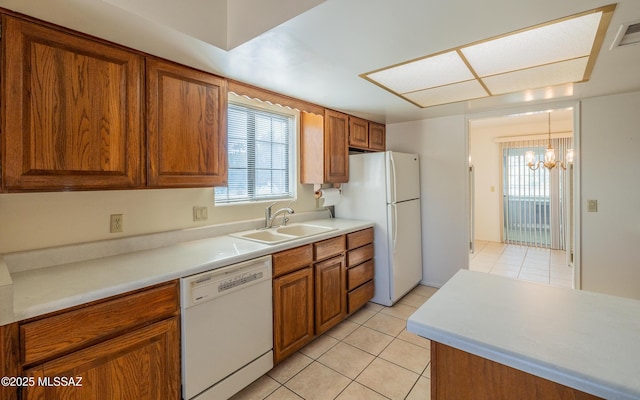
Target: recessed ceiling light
x: 555, y: 53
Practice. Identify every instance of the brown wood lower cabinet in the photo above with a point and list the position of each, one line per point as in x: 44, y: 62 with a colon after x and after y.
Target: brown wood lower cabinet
x: 142, y: 365
x: 456, y: 374
x: 292, y: 312
x: 124, y: 347
x: 360, y: 272
x: 310, y: 290
x: 331, y: 303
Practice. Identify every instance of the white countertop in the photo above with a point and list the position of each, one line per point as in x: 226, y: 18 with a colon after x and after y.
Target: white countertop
x: 584, y: 340
x: 43, y: 290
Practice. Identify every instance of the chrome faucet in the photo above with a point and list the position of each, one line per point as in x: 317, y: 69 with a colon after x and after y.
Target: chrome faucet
x: 269, y: 218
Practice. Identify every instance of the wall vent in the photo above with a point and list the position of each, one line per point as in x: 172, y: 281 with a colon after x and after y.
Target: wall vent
x: 628, y: 33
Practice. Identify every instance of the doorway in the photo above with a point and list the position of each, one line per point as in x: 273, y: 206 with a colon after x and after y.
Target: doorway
x: 522, y: 219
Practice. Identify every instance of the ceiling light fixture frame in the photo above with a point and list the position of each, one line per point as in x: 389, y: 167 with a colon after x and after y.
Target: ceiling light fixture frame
x: 481, y: 89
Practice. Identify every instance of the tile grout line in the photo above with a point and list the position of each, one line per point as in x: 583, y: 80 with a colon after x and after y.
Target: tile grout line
x: 352, y: 380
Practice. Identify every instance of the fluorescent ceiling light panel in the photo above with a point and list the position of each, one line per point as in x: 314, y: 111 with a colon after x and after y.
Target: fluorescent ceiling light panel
x: 545, y: 75
x: 433, y: 71
x: 555, y: 53
x: 547, y: 44
x: 447, y: 94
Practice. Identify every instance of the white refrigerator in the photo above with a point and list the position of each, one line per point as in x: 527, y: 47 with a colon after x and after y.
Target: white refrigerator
x: 384, y: 187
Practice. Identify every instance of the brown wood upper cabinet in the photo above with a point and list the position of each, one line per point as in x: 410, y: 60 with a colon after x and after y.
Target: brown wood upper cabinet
x: 358, y: 132
x: 377, y: 136
x: 366, y: 135
x: 72, y: 111
x: 186, y: 126
x: 324, y: 148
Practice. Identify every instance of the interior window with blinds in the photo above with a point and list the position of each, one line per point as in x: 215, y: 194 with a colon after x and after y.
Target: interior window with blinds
x: 260, y: 153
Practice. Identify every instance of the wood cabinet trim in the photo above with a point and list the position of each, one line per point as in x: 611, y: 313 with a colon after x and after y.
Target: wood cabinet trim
x: 254, y: 92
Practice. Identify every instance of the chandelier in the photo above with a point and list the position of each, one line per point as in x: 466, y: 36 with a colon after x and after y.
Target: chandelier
x: 549, y: 155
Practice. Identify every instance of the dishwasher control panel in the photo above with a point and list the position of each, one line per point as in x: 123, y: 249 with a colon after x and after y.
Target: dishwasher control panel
x: 239, y: 280
x: 206, y: 286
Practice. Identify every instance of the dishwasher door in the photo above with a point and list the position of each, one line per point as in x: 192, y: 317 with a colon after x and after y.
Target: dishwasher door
x: 227, y: 329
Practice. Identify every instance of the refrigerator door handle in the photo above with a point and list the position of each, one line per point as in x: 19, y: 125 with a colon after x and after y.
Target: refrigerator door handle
x: 392, y: 179
x: 394, y: 226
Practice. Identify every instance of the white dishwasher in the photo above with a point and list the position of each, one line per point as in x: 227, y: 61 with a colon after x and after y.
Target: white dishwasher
x: 227, y: 329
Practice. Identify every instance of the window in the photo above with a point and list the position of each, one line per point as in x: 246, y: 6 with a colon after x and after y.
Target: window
x: 260, y: 149
x: 533, y: 201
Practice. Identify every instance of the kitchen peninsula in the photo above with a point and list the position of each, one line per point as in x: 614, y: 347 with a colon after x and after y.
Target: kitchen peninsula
x: 497, y: 338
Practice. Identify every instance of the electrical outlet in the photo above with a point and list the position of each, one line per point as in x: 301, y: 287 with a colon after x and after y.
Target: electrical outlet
x: 592, y: 205
x: 200, y: 213
x: 116, y: 223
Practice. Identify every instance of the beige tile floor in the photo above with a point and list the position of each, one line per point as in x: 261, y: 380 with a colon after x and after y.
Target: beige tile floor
x: 369, y: 356
x: 522, y: 262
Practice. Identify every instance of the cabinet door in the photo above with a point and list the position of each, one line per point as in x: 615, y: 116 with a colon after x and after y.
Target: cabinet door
x: 358, y: 133
x: 336, y: 151
x: 331, y: 302
x: 292, y: 312
x: 72, y: 111
x: 377, y: 136
x: 143, y: 364
x: 186, y: 126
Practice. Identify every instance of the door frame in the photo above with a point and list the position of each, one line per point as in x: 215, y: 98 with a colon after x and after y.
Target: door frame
x: 576, y: 106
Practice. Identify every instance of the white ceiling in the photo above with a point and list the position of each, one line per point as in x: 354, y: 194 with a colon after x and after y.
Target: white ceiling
x: 318, y: 55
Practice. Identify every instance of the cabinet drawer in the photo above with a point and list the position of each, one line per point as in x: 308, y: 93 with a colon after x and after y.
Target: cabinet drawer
x: 360, y: 296
x: 359, y: 238
x: 356, y: 276
x: 330, y: 247
x: 72, y: 330
x: 359, y: 255
x: 292, y: 260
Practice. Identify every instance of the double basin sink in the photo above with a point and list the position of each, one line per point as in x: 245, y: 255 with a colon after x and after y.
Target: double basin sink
x: 283, y: 233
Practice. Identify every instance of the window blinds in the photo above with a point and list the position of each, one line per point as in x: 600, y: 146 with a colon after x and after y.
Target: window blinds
x: 534, y: 204
x: 259, y: 144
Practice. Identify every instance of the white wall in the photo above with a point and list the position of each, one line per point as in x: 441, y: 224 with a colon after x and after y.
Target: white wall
x: 442, y: 145
x: 38, y: 220
x: 485, y: 157
x: 610, y: 162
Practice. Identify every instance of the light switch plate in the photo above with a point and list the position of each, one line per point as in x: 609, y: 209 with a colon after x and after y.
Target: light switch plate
x: 592, y: 205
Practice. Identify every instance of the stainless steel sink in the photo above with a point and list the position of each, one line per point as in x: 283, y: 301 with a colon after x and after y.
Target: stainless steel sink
x: 283, y: 233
